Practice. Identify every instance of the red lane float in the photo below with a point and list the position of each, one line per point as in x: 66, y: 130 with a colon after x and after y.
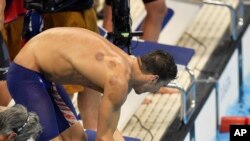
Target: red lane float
x: 233, y: 120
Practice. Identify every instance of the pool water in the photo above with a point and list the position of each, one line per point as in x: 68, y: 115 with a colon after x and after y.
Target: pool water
x: 239, y: 108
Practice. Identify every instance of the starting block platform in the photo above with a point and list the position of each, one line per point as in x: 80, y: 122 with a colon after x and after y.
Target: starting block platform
x: 181, y: 55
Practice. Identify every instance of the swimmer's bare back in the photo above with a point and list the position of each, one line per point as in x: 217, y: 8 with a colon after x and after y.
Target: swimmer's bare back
x: 74, y: 55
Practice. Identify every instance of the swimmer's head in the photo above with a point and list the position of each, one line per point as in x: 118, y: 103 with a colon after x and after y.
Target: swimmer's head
x: 160, y: 68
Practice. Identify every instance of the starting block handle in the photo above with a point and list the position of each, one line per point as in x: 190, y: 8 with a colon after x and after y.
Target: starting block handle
x: 236, y: 21
x: 187, y: 97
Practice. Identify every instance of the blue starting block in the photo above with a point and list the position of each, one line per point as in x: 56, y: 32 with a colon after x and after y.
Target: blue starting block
x: 92, y: 135
x: 181, y: 55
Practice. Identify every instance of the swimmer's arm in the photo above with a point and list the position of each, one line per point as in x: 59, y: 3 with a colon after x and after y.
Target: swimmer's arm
x: 109, y: 111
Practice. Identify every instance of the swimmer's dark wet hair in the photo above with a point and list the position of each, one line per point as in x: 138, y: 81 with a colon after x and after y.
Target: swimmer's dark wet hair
x: 160, y: 63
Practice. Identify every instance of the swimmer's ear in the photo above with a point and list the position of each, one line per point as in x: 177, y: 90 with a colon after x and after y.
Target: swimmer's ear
x: 11, y: 136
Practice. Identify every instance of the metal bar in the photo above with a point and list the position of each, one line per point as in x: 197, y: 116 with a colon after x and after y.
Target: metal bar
x: 234, y: 20
x: 187, y: 104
